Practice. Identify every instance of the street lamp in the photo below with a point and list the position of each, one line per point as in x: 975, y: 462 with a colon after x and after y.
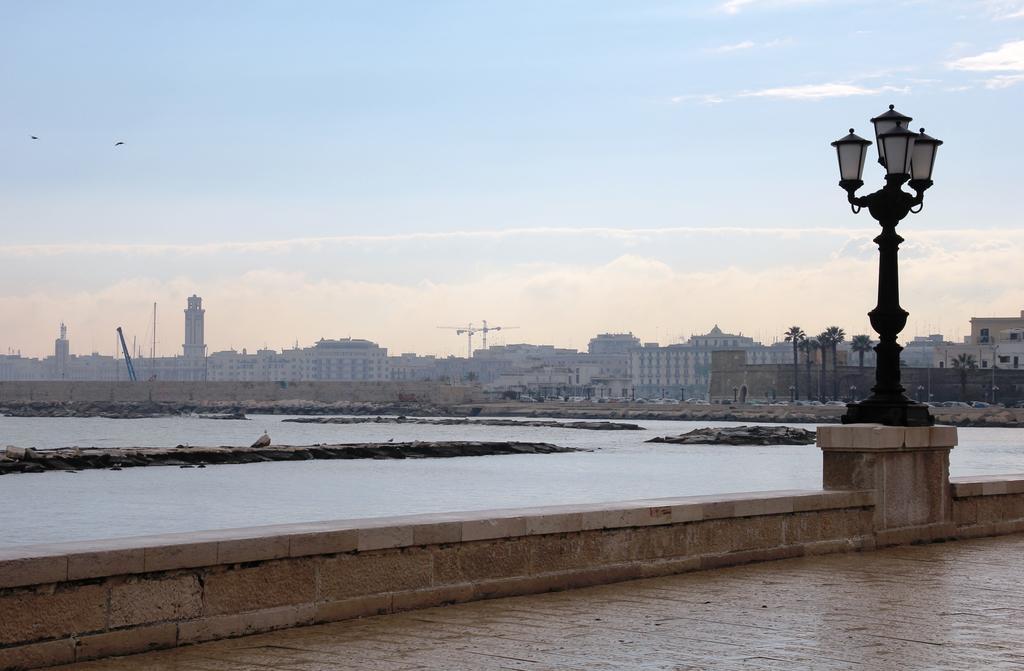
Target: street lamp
x: 905, y: 161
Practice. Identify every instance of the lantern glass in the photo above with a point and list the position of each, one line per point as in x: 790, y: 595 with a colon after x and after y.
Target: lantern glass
x: 923, y: 158
x: 851, y: 151
x: 886, y: 122
x: 851, y: 160
x: 899, y: 149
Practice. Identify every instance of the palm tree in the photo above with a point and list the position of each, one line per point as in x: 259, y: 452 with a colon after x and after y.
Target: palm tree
x: 861, y: 344
x: 963, y: 363
x: 835, y: 335
x: 808, y: 346
x: 795, y: 335
x: 824, y: 346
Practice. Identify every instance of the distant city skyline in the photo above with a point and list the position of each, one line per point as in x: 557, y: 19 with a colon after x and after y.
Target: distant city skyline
x: 322, y: 170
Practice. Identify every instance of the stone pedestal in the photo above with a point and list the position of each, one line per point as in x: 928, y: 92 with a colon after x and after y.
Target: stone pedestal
x: 907, y: 467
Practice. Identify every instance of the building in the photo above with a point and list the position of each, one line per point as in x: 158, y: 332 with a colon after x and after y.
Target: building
x: 341, y: 360
x: 613, y: 344
x: 995, y: 342
x: 682, y: 370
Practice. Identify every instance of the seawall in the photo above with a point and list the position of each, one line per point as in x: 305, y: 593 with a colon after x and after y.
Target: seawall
x: 77, y: 601
x: 182, y: 392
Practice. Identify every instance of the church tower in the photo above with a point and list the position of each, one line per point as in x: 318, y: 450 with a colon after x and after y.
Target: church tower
x: 195, y: 341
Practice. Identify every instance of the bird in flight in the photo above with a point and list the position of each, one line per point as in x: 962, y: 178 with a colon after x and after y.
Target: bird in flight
x: 33, y: 137
x: 118, y: 144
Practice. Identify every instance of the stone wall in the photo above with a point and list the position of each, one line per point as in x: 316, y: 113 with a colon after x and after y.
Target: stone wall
x: 729, y: 370
x: 78, y: 601
x: 182, y: 392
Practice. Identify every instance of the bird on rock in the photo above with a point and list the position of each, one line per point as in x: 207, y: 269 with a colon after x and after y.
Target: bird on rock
x: 263, y: 441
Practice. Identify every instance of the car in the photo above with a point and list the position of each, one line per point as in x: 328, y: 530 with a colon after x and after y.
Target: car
x: 981, y: 404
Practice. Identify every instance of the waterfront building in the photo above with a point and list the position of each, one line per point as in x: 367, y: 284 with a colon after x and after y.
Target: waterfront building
x: 682, y: 370
x: 994, y: 342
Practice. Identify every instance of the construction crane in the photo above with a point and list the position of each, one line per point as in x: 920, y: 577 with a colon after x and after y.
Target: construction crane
x: 471, y: 331
x: 127, y: 357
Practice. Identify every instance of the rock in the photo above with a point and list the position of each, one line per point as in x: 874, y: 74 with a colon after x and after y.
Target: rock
x: 114, y: 459
x: 20, y: 453
x: 742, y: 435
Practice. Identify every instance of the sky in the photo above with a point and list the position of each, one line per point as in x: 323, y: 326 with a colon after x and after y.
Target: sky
x: 376, y: 169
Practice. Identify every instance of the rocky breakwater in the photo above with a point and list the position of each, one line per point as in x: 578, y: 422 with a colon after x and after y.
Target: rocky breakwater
x: 209, y: 410
x: 462, y: 421
x: 742, y: 435
x: 27, y: 460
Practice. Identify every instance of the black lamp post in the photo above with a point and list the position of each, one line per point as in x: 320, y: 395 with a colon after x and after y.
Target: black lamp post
x: 907, y: 157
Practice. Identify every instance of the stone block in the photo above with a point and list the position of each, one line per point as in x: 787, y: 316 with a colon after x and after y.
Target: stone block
x: 713, y: 510
x: 609, y: 546
x: 733, y: 535
x: 834, y: 437
x: 346, y: 609
x: 178, y: 556
x: 433, y: 596
x: 915, y: 534
x: 996, y: 487
x: 372, y: 573
x: 482, y: 560
x: 127, y: 641
x: 32, y: 571
x: 83, y: 565
x: 52, y: 611
x: 965, y: 511
x: 381, y: 538
x: 918, y: 436
x: 687, y: 512
x: 750, y: 556
x: 659, y: 542
x: 276, y: 583
x: 561, y: 552
x: 262, y: 548
x: 623, y: 517
x: 500, y: 527
x: 603, y: 575
x: 437, y: 533
x: 833, y: 546
x: 241, y: 624
x: 558, y: 523
x: 322, y: 542
x: 36, y: 655
x: 144, y: 600
x: 765, y: 506
x: 534, y: 584
x: 944, y: 436
x: 663, y: 567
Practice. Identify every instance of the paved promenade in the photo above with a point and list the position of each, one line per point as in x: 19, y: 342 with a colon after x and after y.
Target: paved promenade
x: 943, y: 606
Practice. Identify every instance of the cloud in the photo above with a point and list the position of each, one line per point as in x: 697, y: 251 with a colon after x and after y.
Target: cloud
x: 298, y: 244
x: 703, y: 98
x: 819, y: 91
x: 727, y: 48
x: 1004, y: 9
x: 747, y: 45
x: 559, y: 303
x: 733, y: 7
x: 1007, y: 58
